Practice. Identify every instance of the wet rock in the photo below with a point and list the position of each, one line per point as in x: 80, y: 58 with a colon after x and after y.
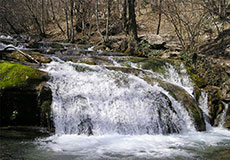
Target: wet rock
x: 188, y: 102
x: 16, y: 55
x: 22, y: 95
x: 214, y: 74
x: 214, y: 103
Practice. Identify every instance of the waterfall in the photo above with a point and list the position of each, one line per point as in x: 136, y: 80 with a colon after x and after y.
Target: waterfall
x: 126, y: 117
x: 203, y: 103
x: 93, y: 100
x: 223, y: 115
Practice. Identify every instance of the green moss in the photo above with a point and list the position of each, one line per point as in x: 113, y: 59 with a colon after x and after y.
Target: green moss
x: 196, y: 115
x: 36, y: 55
x: 82, y: 68
x: 197, y: 92
x: 88, y: 62
x: 198, y: 81
x: 137, y: 59
x: 155, y: 65
x: 46, y: 106
x: 14, y: 74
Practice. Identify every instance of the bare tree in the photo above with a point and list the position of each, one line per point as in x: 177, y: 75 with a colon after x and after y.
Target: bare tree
x: 159, y: 17
x: 124, y: 17
x: 107, y: 19
x: 188, y: 19
x: 97, y: 21
x: 54, y: 17
x: 132, y: 20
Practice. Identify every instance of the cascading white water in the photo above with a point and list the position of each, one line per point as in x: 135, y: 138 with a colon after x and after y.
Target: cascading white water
x: 181, y: 79
x: 121, y: 111
x: 99, y: 101
x: 203, y: 104
x: 223, y: 116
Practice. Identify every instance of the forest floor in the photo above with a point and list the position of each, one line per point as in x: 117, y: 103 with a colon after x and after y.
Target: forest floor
x: 147, y: 24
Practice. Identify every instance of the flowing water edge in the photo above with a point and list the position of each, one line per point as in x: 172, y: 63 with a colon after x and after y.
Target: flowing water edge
x: 210, y: 145
x: 110, y: 115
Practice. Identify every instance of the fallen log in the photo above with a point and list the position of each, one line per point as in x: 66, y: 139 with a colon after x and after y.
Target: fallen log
x: 23, y: 53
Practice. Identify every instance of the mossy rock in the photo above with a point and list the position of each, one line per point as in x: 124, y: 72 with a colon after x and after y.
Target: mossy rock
x: 185, y: 99
x: 80, y: 68
x: 17, y: 75
x: 188, y: 102
x: 21, y: 58
x: 154, y: 64
x: 23, y: 97
x: 200, y: 82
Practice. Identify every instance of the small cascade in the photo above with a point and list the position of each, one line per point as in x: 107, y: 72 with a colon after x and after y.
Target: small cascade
x: 223, y: 115
x: 203, y: 104
x: 180, y: 78
x: 113, y: 61
x: 93, y: 100
x: 19, y: 46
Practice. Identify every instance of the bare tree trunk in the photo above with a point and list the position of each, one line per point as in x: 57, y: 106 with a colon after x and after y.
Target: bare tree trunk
x: 107, y: 20
x: 132, y: 20
x: 118, y: 7
x: 54, y: 17
x: 97, y: 21
x: 83, y: 20
x: 71, y: 19
x: 159, y: 17
x: 43, y: 17
x: 35, y: 19
x: 124, y: 17
x: 67, y: 20
x: 11, y: 25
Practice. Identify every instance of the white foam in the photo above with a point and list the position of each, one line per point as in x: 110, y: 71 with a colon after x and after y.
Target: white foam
x: 138, y: 146
x: 3, y: 46
x: 90, y: 48
x: 6, y: 37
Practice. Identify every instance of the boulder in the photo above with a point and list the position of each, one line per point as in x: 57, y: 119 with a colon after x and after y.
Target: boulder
x: 156, y: 41
x: 188, y: 102
x: 16, y: 55
x: 24, y: 97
